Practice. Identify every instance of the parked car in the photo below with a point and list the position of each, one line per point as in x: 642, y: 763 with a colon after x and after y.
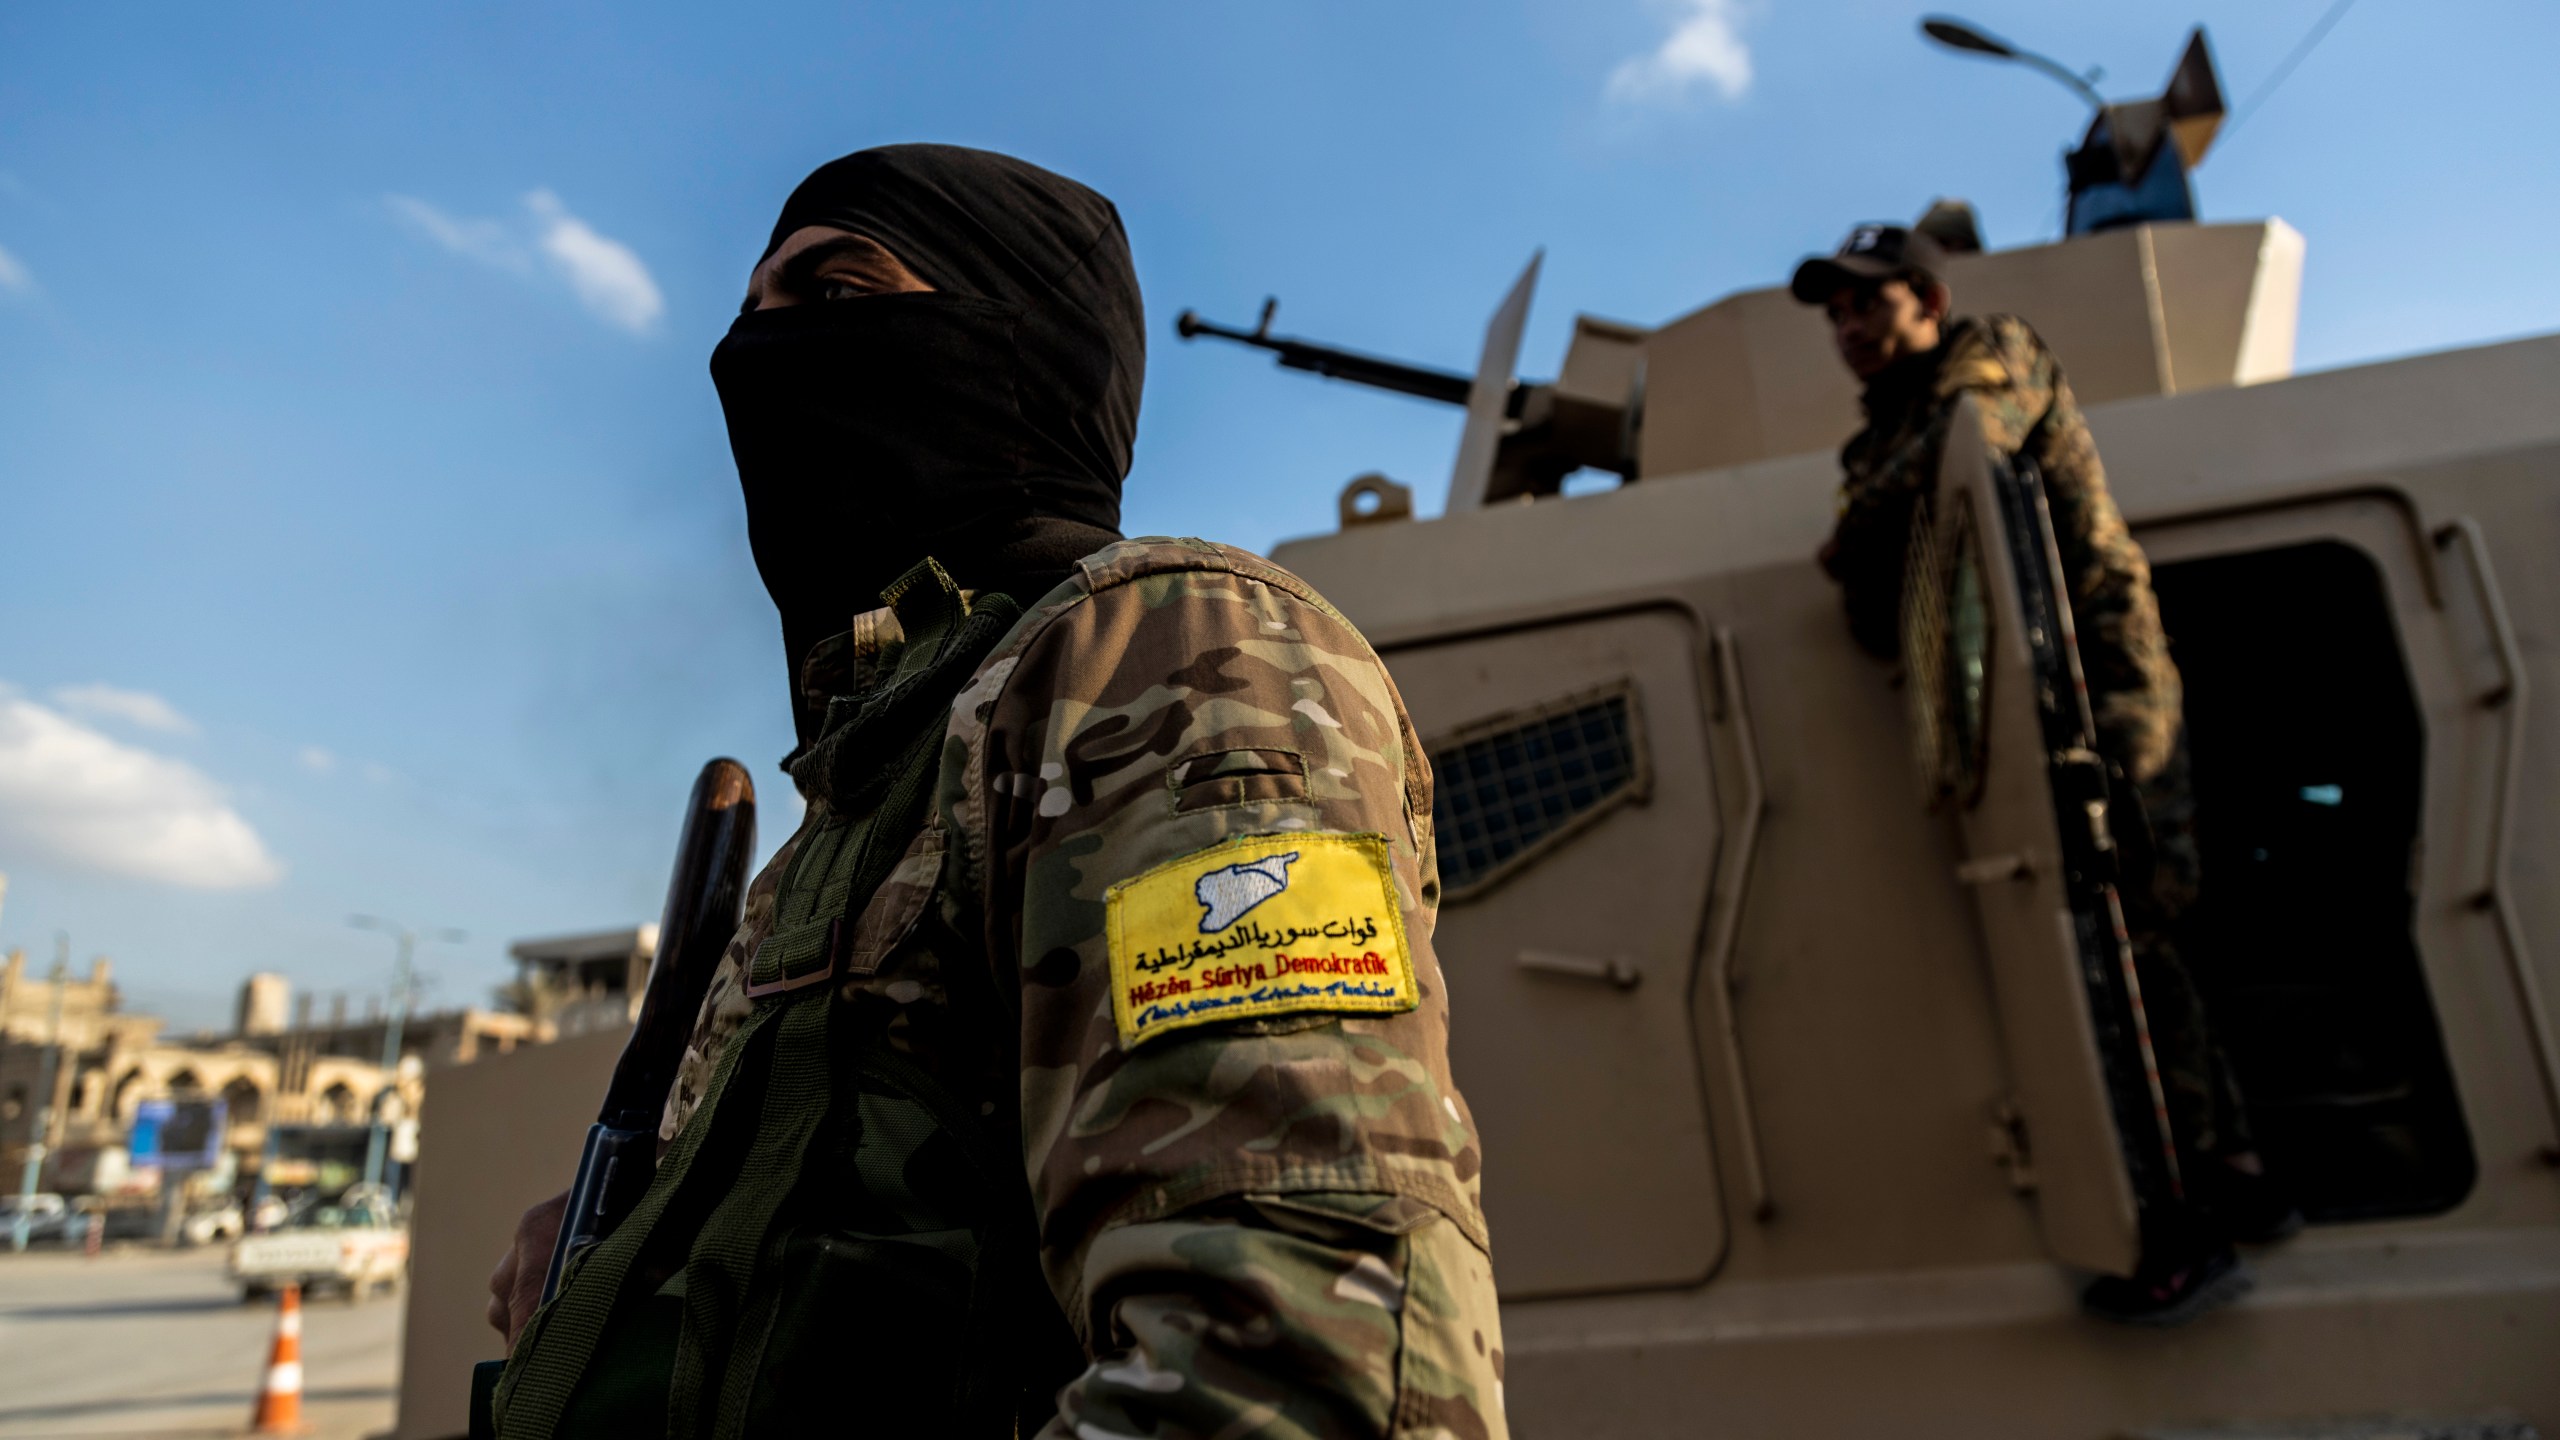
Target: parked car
x: 120, y: 1220
x: 46, y: 1216
x: 207, y: 1227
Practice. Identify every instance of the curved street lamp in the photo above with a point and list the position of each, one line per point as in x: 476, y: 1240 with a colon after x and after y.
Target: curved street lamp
x: 1957, y: 35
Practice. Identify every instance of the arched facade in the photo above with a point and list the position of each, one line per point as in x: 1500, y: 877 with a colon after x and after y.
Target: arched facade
x: 337, y: 1105
x: 243, y: 1102
x: 254, y: 1086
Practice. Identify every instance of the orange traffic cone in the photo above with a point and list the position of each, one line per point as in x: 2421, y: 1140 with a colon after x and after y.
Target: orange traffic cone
x: 279, y: 1409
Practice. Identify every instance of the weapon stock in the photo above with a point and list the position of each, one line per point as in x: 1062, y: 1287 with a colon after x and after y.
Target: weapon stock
x: 704, y: 899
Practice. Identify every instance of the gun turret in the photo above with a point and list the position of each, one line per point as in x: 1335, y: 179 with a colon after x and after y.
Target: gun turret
x: 1448, y: 387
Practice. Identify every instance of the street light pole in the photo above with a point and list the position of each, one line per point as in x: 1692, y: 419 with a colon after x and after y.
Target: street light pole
x: 39, y: 1139
x: 1957, y: 35
x: 377, y: 1145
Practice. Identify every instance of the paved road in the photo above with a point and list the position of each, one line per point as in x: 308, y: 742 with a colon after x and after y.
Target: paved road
x: 158, y: 1343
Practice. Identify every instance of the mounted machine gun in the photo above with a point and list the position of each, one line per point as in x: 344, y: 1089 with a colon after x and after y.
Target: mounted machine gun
x: 1521, y: 439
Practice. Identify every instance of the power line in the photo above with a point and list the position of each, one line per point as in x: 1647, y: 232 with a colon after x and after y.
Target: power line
x: 2311, y: 39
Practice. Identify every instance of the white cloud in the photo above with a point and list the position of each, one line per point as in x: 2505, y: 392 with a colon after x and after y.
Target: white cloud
x: 609, y: 280
x: 607, y: 277
x: 15, y: 277
x: 317, y: 760
x: 486, y: 241
x: 1705, y: 47
x: 134, y: 707
x: 74, y: 794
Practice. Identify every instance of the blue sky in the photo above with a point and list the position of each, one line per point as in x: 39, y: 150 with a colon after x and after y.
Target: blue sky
x: 370, y: 537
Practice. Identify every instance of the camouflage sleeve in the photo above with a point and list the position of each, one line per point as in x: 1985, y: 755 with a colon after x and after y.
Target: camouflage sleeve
x: 2134, y: 691
x: 1264, y: 1226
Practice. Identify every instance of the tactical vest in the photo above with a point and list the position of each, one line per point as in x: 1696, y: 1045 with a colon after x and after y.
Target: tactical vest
x: 747, y: 1293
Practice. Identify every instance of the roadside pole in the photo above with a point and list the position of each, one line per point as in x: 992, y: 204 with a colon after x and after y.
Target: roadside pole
x: 377, y: 1145
x: 38, y: 1138
x: 259, y: 1193
x: 377, y: 1142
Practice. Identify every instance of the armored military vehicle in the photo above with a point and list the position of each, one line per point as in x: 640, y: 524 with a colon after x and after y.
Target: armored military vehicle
x: 1803, y: 1106
x: 1800, y: 1069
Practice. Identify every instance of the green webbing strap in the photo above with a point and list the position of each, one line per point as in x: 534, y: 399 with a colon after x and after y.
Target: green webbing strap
x: 945, y: 641
x: 730, y: 1276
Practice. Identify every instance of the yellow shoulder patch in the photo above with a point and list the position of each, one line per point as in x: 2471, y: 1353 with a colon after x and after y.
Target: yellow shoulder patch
x: 1262, y: 925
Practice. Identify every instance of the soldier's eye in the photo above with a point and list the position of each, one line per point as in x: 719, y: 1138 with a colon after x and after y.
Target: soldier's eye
x: 838, y: 287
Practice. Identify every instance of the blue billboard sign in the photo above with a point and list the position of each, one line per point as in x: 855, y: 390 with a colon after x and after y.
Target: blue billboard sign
x: 177, y: 1134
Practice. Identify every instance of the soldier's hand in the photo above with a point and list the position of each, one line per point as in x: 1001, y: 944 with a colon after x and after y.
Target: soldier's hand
x: 515, y: 1287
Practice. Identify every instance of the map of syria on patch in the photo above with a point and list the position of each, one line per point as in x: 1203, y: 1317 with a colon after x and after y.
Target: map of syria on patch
x: 1263, y: 925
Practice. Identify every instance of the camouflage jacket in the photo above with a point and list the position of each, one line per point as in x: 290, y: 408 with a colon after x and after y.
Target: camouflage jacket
x: 1265, y: 1225
x: 2028, y: 408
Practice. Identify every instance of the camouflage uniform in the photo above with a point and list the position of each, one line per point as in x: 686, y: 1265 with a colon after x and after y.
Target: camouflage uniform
x: 2135, y: 695
x: 1265, y: 1226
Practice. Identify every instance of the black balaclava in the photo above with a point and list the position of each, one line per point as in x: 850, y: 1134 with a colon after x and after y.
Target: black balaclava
x: 987, y: 424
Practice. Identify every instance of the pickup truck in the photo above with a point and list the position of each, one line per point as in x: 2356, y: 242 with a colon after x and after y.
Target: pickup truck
x: 354, y: 1247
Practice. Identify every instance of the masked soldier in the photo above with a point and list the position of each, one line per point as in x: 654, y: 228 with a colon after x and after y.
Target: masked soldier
x: 1888, y: 304
x: 1081, y: 1064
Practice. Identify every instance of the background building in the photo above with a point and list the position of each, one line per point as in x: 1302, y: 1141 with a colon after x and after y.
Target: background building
x: 577, y: 984
x: 279, y: 1065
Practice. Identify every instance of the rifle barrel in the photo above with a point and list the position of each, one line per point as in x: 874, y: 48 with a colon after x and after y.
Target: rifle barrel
x: 1444, y: 386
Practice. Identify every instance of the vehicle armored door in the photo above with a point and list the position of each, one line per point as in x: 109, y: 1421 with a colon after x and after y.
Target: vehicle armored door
x: 2002, y: 736
x: 1576, y: 827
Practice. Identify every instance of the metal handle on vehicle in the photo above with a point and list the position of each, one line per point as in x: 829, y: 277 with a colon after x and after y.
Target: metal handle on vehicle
x: 1992, y: 869
x: 2495, y: 895
x: 1616, y: 970
x: 1722, y: 969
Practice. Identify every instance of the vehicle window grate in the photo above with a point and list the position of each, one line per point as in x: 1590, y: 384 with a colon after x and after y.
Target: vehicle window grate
x: 1516, y: 784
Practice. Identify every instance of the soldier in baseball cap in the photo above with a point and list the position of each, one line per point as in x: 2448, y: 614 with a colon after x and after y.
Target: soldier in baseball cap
x: 1886, y: 295
x: 1871, y: 254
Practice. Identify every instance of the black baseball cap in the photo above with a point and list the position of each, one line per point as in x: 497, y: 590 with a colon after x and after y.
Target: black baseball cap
x: 1872, y: 252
